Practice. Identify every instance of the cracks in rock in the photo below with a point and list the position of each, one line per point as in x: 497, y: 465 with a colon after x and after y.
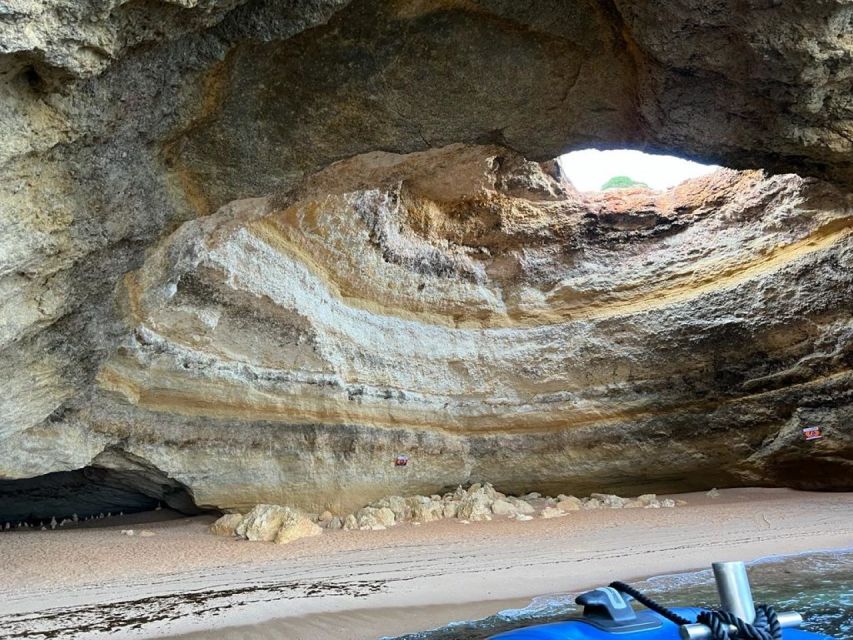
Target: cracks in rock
x: 636, y: 57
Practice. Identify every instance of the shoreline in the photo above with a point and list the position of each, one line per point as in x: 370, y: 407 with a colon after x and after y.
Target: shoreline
x: 183, y: 582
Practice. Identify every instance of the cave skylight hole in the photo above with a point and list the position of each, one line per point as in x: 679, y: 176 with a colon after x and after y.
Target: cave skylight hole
x: 595, y: 170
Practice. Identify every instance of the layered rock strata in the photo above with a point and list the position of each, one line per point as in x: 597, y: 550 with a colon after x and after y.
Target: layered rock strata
x: 467, y: 308
x: 120, y: 121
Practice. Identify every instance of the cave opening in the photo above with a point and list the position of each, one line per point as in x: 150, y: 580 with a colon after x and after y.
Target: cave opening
x: 85, y: 494
x: 592, y: 170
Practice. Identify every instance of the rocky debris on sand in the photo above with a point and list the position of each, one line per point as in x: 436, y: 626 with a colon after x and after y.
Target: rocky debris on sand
x: 376, y: 519
x: 713, y: 493
x: 272, y: 523
x: 296, y: 526
x: 609, y: 500
x: 479, y: 502
x: 400, y: 506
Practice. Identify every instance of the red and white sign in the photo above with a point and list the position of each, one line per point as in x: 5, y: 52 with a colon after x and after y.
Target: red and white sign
x: 812, y: 433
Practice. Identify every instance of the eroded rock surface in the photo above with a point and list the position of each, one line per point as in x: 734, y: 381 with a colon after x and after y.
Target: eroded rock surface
x: 468, y: 308
x: 475, y: 313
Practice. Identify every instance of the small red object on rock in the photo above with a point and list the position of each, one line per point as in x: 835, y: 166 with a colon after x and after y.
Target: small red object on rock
x: 812, y: 433
x: 401, y: 461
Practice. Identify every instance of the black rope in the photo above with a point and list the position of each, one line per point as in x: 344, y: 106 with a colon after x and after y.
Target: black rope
x: 669, y: 614
x: 765, y: 626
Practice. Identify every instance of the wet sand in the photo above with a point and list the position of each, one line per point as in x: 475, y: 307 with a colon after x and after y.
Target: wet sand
x: 93, y: 582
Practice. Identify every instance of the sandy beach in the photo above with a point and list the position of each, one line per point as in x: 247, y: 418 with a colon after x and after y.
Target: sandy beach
x: 93, y: 582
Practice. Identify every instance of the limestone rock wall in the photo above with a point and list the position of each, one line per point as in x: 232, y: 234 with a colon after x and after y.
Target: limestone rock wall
x: 475, y: 302
x: 470, y: 310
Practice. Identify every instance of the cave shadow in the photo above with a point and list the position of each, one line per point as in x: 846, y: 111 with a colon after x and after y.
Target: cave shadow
x: 90, y: 492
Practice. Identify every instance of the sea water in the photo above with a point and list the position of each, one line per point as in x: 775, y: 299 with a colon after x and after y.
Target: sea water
x: 817, y: 585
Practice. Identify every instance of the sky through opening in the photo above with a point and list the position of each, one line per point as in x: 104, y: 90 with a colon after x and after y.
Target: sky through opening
x: 589, y: 169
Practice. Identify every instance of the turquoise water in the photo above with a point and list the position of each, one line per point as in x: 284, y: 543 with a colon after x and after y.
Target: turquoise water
x: 817, y: 585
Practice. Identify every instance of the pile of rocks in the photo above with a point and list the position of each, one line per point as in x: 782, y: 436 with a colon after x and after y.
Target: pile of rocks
x: 477, y: 503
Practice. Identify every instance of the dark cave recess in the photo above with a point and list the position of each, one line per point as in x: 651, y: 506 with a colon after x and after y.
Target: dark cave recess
x: 87, y: 492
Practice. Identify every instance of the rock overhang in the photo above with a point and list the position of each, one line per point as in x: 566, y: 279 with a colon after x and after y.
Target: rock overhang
x: 112, y: 149
x: 363, y: 300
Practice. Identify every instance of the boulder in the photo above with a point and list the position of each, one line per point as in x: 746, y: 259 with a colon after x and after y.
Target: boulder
x: 503, y: 508
x: 425, y: 509
x: 450, y: 509
x: 397, y: 504
x: 386, y: 516
x: 552, y: 512
x: 295, y: 526
x: 376, y: 519
x: 226, y: 525
x: 521, y: 506
x: 475, y: 507
x: 262, y: 522
x: 569, y: 503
